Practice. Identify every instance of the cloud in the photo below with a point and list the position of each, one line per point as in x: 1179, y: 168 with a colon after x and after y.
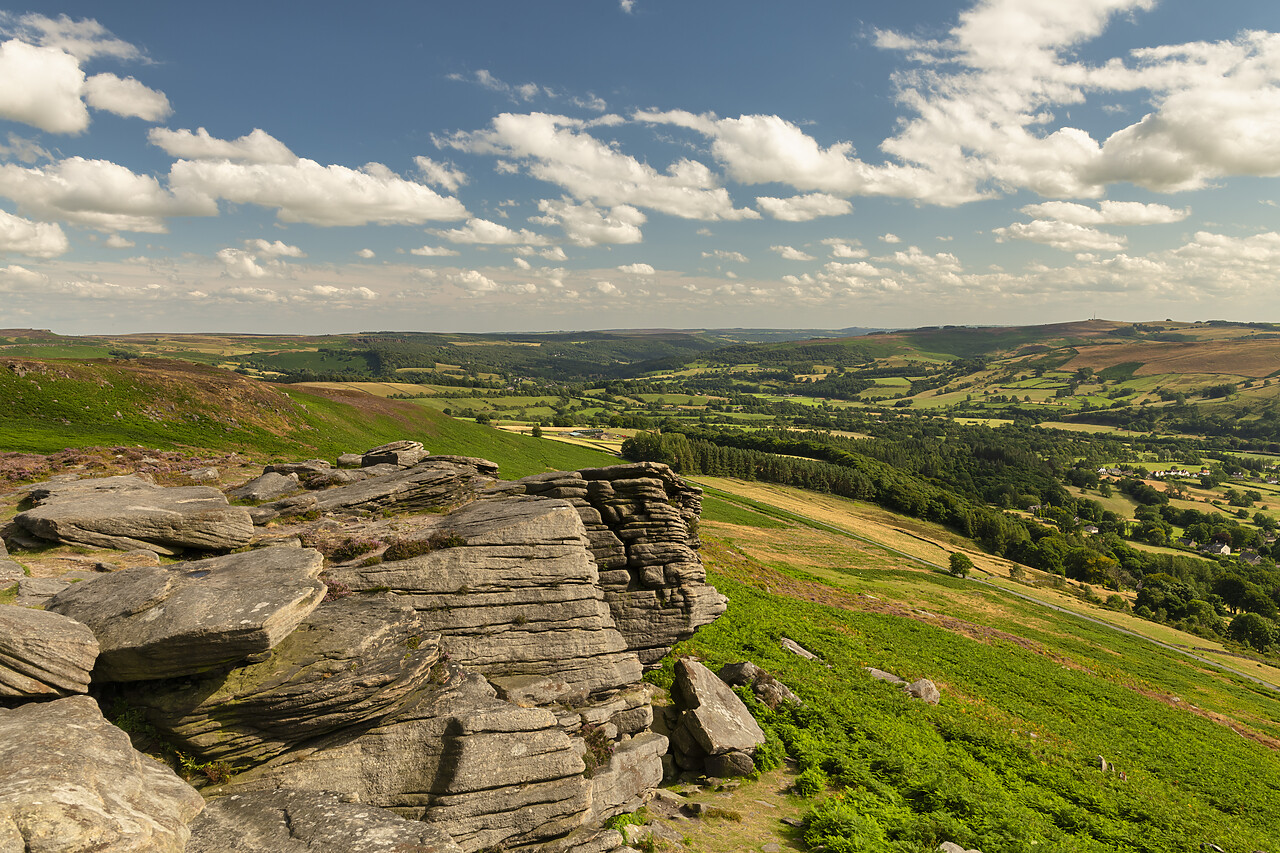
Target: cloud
x: 474, y: 281
x: 586, y: 225
x: 14, y: 277
x: 41, y: 87
x: 606, y: 287
x: 802, y: 208
x: 24, y: 150
x: 845, y: 248
x: 1107, y: 213
x: 125, y: 97
x: 638, y: 269
x: 433, y: 252
x: 484, y: 232
x: 627, y: 6
x: 526, y: 92
x: 101, y: 195
x: 238, y: 263
x: 42, y: 83
x: 276, y: 249
x: 35, y: 239
x: 305, y: 191
x: 722, y: 255
x: 115, y: 241
x: 1066, y: 236
x: 790, y: 253
x: 443, y: 175
x: 84, y: 39
x: 890, y: 238
x: 257, y: 146
x: 558, y: 150
x: 366, y: 254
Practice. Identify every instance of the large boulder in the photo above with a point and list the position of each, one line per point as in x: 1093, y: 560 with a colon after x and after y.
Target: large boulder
x: 128, y: 512
x: 71, y: 781
x: 44, y: 655
x: 352, y: 662
x: 518, y: 595
x: 713, y: 722
x: 186, y: 618
x: 309, y: 822
x: 399, y: 453
x: 267, y: 487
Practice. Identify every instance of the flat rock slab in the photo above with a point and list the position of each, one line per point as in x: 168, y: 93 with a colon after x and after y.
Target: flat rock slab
x: 309, y: 822
x: 71, y: 781
x: 350, y: 663
x: 167, y: 621
x: 44, y: 655
x: 267, y: 487
x: 129, y: 512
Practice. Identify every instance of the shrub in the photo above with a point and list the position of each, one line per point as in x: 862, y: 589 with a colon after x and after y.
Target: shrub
x: 599, y: 748
x: 352, y: 547
x: 960, y: 565
x: 811, y: 782
x: 403, y: 549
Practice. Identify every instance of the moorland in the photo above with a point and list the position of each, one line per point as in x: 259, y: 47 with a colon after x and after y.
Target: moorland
x: 1108, y: 651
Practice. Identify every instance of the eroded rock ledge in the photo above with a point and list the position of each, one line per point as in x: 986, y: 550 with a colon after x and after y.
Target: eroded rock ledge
x: 455, y: 665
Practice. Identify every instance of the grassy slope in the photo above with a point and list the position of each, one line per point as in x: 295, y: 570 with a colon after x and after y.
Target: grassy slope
x: 172, y: 405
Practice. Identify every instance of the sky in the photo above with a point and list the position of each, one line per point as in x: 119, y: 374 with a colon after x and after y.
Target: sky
x: 477, y: 166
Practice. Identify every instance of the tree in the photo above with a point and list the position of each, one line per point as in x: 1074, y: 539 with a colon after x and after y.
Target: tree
x: 537, y: 430
x: 1254, y: 630
x: 960, y: 565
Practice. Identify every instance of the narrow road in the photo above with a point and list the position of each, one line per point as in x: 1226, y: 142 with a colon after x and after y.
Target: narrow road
x: 830, y: 528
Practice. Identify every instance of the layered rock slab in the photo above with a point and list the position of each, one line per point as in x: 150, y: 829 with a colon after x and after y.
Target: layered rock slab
x: 71, y: 781
x: 44, y: 655
x: 128, y: 512
x: 521, y: 597
x: 309, y: 822
x: 168, y: 621
x: 350, y: 663
x: 641, y: 522
x: 458, y: 757
x: 434, y: 483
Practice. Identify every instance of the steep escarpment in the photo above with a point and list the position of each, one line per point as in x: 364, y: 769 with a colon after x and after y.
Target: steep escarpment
x: 413, y: 635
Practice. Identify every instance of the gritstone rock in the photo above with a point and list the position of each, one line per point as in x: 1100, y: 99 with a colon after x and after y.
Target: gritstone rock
x: 71, y: 781
x: 44, y: 655
x: 309, y: 822
x: 713, y: 721
x: 128, y: 512
x: 161, y: 622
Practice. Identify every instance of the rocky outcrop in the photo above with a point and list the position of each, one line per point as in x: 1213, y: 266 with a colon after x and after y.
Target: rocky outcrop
x: 128, y: 512
x: 166, y: 621
x: 69, y: 780
x: 519, y: 597
x: 641, y: 522
x: 766, y: 688
x: 267, y: 487
x: 714, y: 730
x: 475, y: 669
x: 309, y: 822
x: 44, y: 655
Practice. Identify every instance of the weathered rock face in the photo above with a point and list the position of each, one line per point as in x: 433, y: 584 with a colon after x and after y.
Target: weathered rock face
x: 351, y: 663
x: 482, y: 769
x: 43, y: 655
x: 460, y: 687
x: 433, y: 483
x: 640, y: 521
x: 162, y: 622
x: 128, y: 512
x: 766, y: 688
x: 520, y: 598
x: 307, y: 822
x: 714, y: 730
x: 69, y: 780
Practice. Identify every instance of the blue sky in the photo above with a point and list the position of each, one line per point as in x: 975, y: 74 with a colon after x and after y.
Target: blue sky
x: 489, y: 166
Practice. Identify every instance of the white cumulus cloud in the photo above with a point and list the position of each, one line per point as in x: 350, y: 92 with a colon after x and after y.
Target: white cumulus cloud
x: 434, y: 251
x: 444, y: 175
x: 802, y: 208
x: 790, y: 253
x: 1066, y: 236
x: 125, y: 97
x: 557, y: 149
x: 484, y: 232
x: 258, y: 146
x: 35, y: 239
x: 587, y: 225
x: 638, y: 269
x: 724, y: 255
